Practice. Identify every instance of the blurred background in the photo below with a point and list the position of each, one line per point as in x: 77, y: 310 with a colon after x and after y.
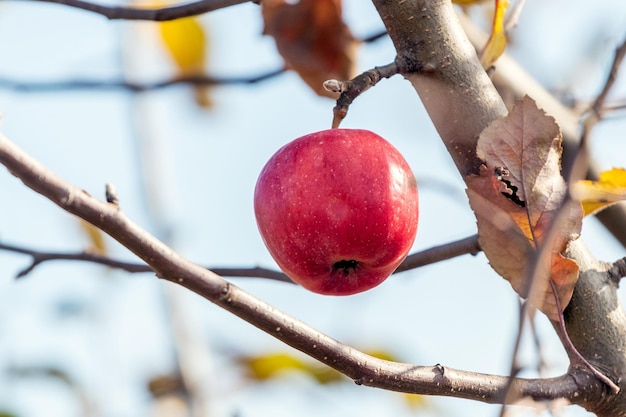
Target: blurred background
x: 79, y: 339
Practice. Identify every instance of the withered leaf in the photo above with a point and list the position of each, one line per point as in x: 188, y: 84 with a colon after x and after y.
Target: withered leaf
x: 312, y: 38
x: 517, y: 196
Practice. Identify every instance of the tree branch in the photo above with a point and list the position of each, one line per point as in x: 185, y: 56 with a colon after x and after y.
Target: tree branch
x: 197, y: 80
x: 600, y: 101
x: 362, y: 368
x: 351, y: 89
x: 435, y: 254
x: 157, y: 15
x: 468, y: 245
x: 462, y: 102
x: 54, y: 86
x: 441, y: 64
x: 39, y: 257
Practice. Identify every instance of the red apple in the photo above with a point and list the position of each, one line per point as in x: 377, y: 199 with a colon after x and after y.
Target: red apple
x: 337, y: 210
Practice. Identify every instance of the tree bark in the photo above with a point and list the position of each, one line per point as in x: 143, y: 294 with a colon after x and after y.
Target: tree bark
x: 441, y: 64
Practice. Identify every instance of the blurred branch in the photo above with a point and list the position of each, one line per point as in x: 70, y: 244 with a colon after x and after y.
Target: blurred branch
x: 138, y: 87
x: 39, y: 257
x: 87, y: 405
x: 599, y: 103
x: 157, y: 15
x: 54, y: 86
x: 580, y: 161
x: 435, y: 254
x: 362, y: 368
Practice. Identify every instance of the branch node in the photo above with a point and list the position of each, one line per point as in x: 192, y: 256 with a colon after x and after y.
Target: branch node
x: 335, y: 86
x: 28, y: 269
x: 429, y: 68
x: 111, y: 194
x: 617, y: 270
x: 353, y: 88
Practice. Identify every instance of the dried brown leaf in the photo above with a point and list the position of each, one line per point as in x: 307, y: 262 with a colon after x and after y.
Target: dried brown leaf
x: 517, y: 196
x: 313, y: 39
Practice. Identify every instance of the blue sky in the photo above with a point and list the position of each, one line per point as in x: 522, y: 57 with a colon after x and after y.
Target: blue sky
x: 187, y: 175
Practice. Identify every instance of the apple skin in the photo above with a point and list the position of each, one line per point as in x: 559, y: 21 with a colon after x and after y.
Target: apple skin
x: 337, y: 210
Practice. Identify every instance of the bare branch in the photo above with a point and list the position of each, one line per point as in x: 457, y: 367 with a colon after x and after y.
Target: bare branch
x: 581, y: 160
x: 618, y: 58
x: 353, y: 88
x: 435, y: 254
x: 54, y: 86
x: 39, y: 257
x: 157, y: 15
x: 468, y: 245
x: 137, y: 87
x: 362, y: 368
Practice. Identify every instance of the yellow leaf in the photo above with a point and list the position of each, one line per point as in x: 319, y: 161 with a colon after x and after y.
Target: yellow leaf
x: 497, y: 41
x: 273, y: 365
x: 97, y: 243
x: 186, y: 42
x: 382, y: 354
x: 415, y: 401
x: 598, y: 195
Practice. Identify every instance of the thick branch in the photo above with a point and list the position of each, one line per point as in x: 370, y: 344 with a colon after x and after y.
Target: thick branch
x: 441, y: 64
x: 362, y: 368
x: 462, y: 101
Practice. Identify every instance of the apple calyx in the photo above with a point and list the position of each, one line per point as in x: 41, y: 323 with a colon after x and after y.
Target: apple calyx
x: 346, y: 266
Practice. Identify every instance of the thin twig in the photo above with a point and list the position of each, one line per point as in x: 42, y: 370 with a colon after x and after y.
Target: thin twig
x: 580, y: 163
x: 618, y: 58
x: 466, y: 246
x: 573, y: 352
x: 138, y: 87
x: 39, y: 257
x: 54, y: 86
x: 156, y: 14
x: 353, y: 88
x: 374, y: 37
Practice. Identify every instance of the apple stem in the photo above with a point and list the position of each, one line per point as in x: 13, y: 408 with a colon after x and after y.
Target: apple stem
x: 353, y: 88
